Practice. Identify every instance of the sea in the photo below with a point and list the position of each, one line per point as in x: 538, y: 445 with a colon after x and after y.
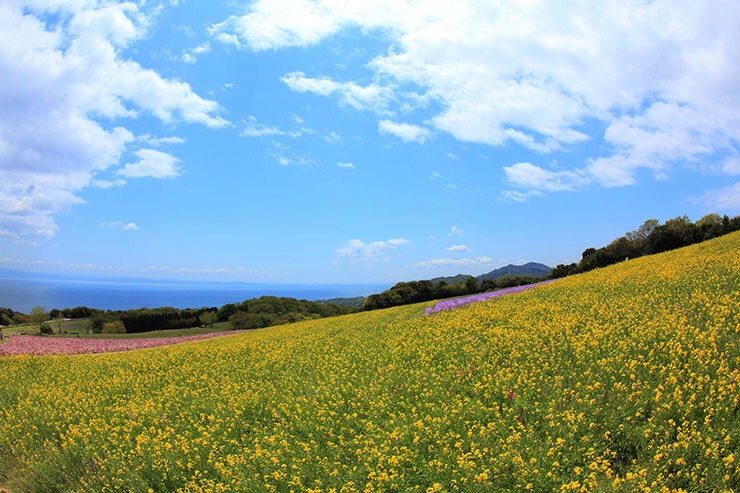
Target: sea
x: 21, y: 291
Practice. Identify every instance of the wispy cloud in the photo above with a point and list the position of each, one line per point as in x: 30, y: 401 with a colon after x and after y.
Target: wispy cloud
x: 459, y: 248
x: 130, y: 226
x: 442, y: 262
x: 722, y: 199
x: 191, y: 56
x: 455, y: 231
x: 359, y: 250
x: 346, y: 165
x: 372, y: 97
x: 404, y: 131
x: 29, y: 264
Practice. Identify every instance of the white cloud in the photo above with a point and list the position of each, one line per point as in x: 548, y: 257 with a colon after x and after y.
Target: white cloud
x: 63, y: 94
x: 437, y: 262
x: 723, y: 199
x: 191, y: 56
x: 152, y: 164
x: 404, y: 131
x: 120, y: 225
x: 252, y: 128
x: 372, y: 97
x: 459, y: 248
x: 160, y: 141
x: 286, y: 156
x: 277, y: 24
x: 105, y: 184
x: 455, y: 231
x: 527, y: 175
x: 346, y: 165
x: 655, y: 81
x: 517, y: 196
x: 47, y: 266
x: 358, y: 250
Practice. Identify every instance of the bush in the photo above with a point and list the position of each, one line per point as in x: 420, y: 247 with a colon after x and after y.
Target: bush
x: 45, y: 328
x: 116, y: 327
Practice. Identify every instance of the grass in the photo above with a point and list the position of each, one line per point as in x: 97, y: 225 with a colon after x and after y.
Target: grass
x: 622, y: 379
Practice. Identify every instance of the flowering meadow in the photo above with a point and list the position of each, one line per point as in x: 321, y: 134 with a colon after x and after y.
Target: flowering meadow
x: 70, y: 345
x: 453, y: 303
x: 622, y: 379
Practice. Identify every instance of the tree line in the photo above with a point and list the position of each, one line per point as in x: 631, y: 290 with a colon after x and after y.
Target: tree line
x: 405, y: 293
x: 249, y: 314
x: 651, y: 238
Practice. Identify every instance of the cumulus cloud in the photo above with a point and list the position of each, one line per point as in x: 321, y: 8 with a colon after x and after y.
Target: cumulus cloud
x: 456, y: 231
x: 67, y: 96
x: 359, y: 250
x: 439, y: 262
x: 404, y: 131
x: 654, y: 83
x: 152, y: 164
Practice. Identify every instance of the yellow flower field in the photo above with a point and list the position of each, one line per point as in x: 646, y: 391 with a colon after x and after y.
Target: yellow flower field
x: 622, y: 379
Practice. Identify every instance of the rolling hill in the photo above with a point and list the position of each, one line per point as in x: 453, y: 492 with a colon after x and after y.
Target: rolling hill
x: 620, y: 379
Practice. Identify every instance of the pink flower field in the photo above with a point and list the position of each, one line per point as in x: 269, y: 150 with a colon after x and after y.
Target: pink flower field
x: 56, y: 345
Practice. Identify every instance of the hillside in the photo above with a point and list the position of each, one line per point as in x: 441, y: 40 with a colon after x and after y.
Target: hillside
x: 621, y: 379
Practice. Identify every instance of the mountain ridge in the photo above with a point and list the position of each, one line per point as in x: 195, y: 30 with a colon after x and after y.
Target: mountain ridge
x: 534, y: 269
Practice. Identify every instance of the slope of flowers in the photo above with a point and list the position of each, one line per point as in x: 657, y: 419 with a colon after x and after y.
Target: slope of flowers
x: 453, y: 303
x: 623, y: 379
x: 70, y: 345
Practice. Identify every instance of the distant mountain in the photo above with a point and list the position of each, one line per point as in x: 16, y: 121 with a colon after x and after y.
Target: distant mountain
x: 451, y: 279
x: 529, y: 269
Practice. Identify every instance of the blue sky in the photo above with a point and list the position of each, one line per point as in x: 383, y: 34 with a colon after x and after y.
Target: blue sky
x: 334, y: 141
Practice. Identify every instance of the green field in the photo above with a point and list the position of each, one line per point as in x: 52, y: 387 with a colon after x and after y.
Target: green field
x: 622, y: 379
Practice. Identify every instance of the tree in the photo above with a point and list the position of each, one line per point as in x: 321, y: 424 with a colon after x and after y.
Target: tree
x: 38, y: 316
x: 116, y: 327
x: 208, y: 318
x: 710, y: 226
x: 471, y: 285
x: 643, y: 231
x: 58, y: 320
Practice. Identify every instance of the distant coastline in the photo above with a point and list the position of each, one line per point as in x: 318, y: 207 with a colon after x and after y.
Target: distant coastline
x: 21, y: 291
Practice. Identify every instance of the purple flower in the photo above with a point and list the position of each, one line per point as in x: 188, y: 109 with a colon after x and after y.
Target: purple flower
x: 453, y: 303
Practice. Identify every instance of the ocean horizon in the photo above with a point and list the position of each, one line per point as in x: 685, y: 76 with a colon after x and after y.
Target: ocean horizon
x: 21, y: 291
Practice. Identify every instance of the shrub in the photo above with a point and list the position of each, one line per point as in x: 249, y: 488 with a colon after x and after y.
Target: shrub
x: 116, y: 327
